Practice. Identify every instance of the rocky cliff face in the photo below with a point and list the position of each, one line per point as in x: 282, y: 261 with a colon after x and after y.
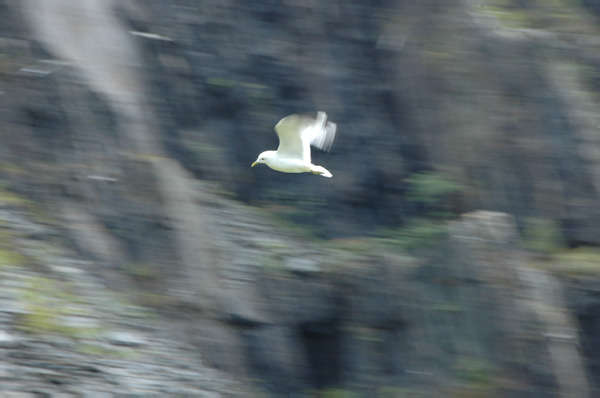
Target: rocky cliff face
x: 469, y: 319
x: 499, y: 97
x: 358, y: 317
x: 64, y: 333
x: 111, y: 113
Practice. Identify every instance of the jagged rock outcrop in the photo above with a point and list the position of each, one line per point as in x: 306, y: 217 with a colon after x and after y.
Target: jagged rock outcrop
x: 473, y: 318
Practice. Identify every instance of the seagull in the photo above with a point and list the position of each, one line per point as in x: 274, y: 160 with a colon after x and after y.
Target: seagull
x: 296, y: 134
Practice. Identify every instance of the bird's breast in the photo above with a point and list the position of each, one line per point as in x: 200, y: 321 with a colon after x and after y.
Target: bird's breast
x: 288, y: 165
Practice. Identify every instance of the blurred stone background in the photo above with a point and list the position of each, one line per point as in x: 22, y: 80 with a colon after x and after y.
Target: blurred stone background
x: 453, y: 253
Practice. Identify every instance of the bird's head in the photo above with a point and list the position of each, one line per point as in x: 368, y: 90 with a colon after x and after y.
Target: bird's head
x: 264, y: 157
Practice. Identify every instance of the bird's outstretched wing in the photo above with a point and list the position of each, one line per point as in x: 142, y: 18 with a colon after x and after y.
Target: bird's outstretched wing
x: 297, y: 132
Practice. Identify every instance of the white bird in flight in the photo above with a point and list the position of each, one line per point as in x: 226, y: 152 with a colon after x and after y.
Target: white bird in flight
x: 296, y: 134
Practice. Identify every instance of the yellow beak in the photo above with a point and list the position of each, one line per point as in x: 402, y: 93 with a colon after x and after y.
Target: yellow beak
x: 254, y: 164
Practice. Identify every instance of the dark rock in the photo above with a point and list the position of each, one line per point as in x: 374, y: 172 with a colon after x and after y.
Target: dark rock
x: 333, y: 331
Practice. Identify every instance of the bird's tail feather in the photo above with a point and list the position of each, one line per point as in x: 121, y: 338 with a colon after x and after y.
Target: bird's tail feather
x: 320, y: 170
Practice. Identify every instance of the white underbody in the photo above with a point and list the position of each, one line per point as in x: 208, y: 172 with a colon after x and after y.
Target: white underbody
x: 294, y: 165
x: 289, y: 165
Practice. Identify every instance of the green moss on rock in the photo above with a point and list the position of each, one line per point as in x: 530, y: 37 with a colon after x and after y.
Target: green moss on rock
x: 48, y: 303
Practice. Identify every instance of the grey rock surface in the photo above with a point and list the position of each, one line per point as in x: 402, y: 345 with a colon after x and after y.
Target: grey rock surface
x: 72, y: 336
